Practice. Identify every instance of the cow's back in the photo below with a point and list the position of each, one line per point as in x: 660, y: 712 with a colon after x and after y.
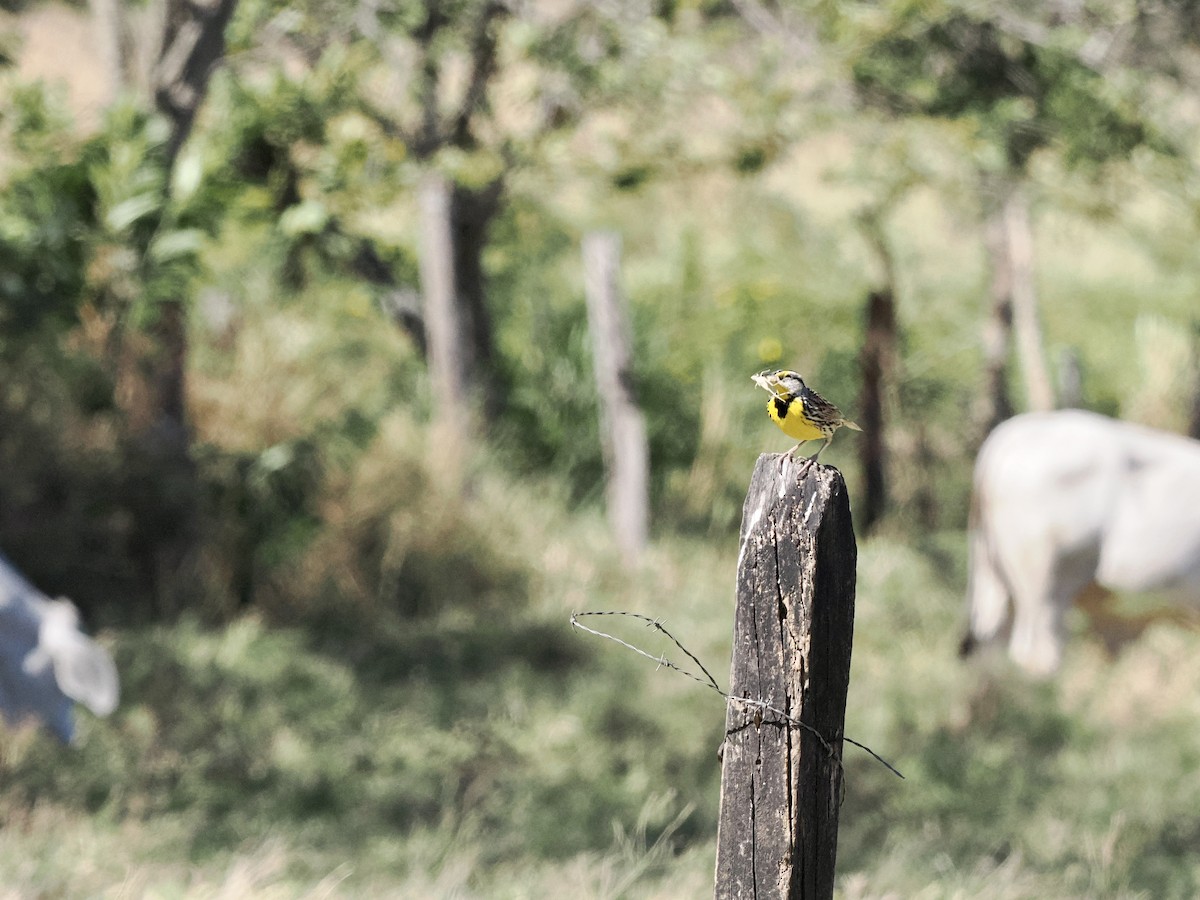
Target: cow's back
x: 1152, y: 538
x: 1047, y: 480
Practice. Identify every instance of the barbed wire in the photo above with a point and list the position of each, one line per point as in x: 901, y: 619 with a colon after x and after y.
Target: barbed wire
x: 709, y: 682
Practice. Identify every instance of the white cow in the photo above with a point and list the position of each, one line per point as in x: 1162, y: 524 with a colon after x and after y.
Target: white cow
x: 46, y: 662
x: 1065, y: 501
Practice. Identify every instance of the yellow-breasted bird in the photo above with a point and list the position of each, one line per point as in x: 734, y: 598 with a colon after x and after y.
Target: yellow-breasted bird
x: 800, y: 411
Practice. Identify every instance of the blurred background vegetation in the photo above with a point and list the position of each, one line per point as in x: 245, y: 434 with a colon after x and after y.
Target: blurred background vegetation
x: 346, y: 663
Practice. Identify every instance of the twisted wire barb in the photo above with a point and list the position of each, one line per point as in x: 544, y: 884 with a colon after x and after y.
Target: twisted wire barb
x: 708, y: 681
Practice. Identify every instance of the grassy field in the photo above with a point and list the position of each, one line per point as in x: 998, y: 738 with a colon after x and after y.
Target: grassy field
x: 493, y: 752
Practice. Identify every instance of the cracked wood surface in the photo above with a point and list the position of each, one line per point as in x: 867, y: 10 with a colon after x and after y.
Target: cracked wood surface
x: 793, y: 630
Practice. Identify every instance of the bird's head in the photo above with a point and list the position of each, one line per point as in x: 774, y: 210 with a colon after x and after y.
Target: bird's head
x: 783, y: 382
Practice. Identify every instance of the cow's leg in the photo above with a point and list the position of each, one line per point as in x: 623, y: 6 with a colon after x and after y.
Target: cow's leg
x: 1038, y: 635
x: 1040, y: 602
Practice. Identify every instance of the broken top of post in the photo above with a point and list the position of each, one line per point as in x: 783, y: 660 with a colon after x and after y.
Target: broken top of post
x: 793, y: 631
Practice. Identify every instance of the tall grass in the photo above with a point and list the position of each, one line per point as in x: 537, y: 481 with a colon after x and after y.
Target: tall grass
x: 497, y: 754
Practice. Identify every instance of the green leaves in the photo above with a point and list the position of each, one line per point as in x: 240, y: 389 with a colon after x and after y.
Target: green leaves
x: 131, y: 210
x: 46, y: 213
x: 1023, y: 80
x: 173, y: 246
x: 306, y: 217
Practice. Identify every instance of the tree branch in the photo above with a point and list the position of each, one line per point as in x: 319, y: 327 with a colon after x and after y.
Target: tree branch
x: 483, y: 67
x: 796, y: 38
x: 193, y: 45
x: 428, y: 136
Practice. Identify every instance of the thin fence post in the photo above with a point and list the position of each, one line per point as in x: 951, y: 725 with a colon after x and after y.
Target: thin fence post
x: 622, y: 425
x: 781, y: 780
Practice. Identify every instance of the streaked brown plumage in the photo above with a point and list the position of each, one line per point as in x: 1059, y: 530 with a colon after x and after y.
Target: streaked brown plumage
x: 799, y: 411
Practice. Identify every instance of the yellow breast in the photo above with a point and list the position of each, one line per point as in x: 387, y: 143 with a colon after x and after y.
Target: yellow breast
x: 790, y: 418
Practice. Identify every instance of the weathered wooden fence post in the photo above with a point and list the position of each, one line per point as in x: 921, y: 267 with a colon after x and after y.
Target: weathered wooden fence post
x: 793, y: 630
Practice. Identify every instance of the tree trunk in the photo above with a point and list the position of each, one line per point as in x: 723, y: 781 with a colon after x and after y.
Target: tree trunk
x: 1039, y: 387
x: 878, y: 362
x: 1070, y: 379
x: 160, y: 476
x: 193, y: 44
x: 623, y: 429
x: 1194, y: 419
x: 995, y: 404
x: 471, y: 215
x: 781, y: 775
x: 1194, y: 413
x: 402, y: 304
x: 151, y: 385
x: 450, y: 371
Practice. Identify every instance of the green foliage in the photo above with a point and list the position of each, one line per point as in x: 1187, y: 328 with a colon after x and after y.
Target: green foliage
x: 263, y: 509
x: 480, y: 730
x: 63, y: 519
x: 90, y: 220
x: 47, y: 211
x: 1021, y: 87
x: 550, y: 420
x: 1012, y: 787
x: 145, y: 251
x: 520, y: 749
x: 42, y: 249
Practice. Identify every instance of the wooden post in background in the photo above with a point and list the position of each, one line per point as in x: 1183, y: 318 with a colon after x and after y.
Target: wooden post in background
x: 995, y: 405
x: 793, y: 630
x: 877, y: 360
x: 622, y: 426
x: 878, y: 357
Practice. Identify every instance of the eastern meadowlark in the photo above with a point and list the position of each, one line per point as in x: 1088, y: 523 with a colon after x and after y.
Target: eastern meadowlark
x: 799, y: 411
